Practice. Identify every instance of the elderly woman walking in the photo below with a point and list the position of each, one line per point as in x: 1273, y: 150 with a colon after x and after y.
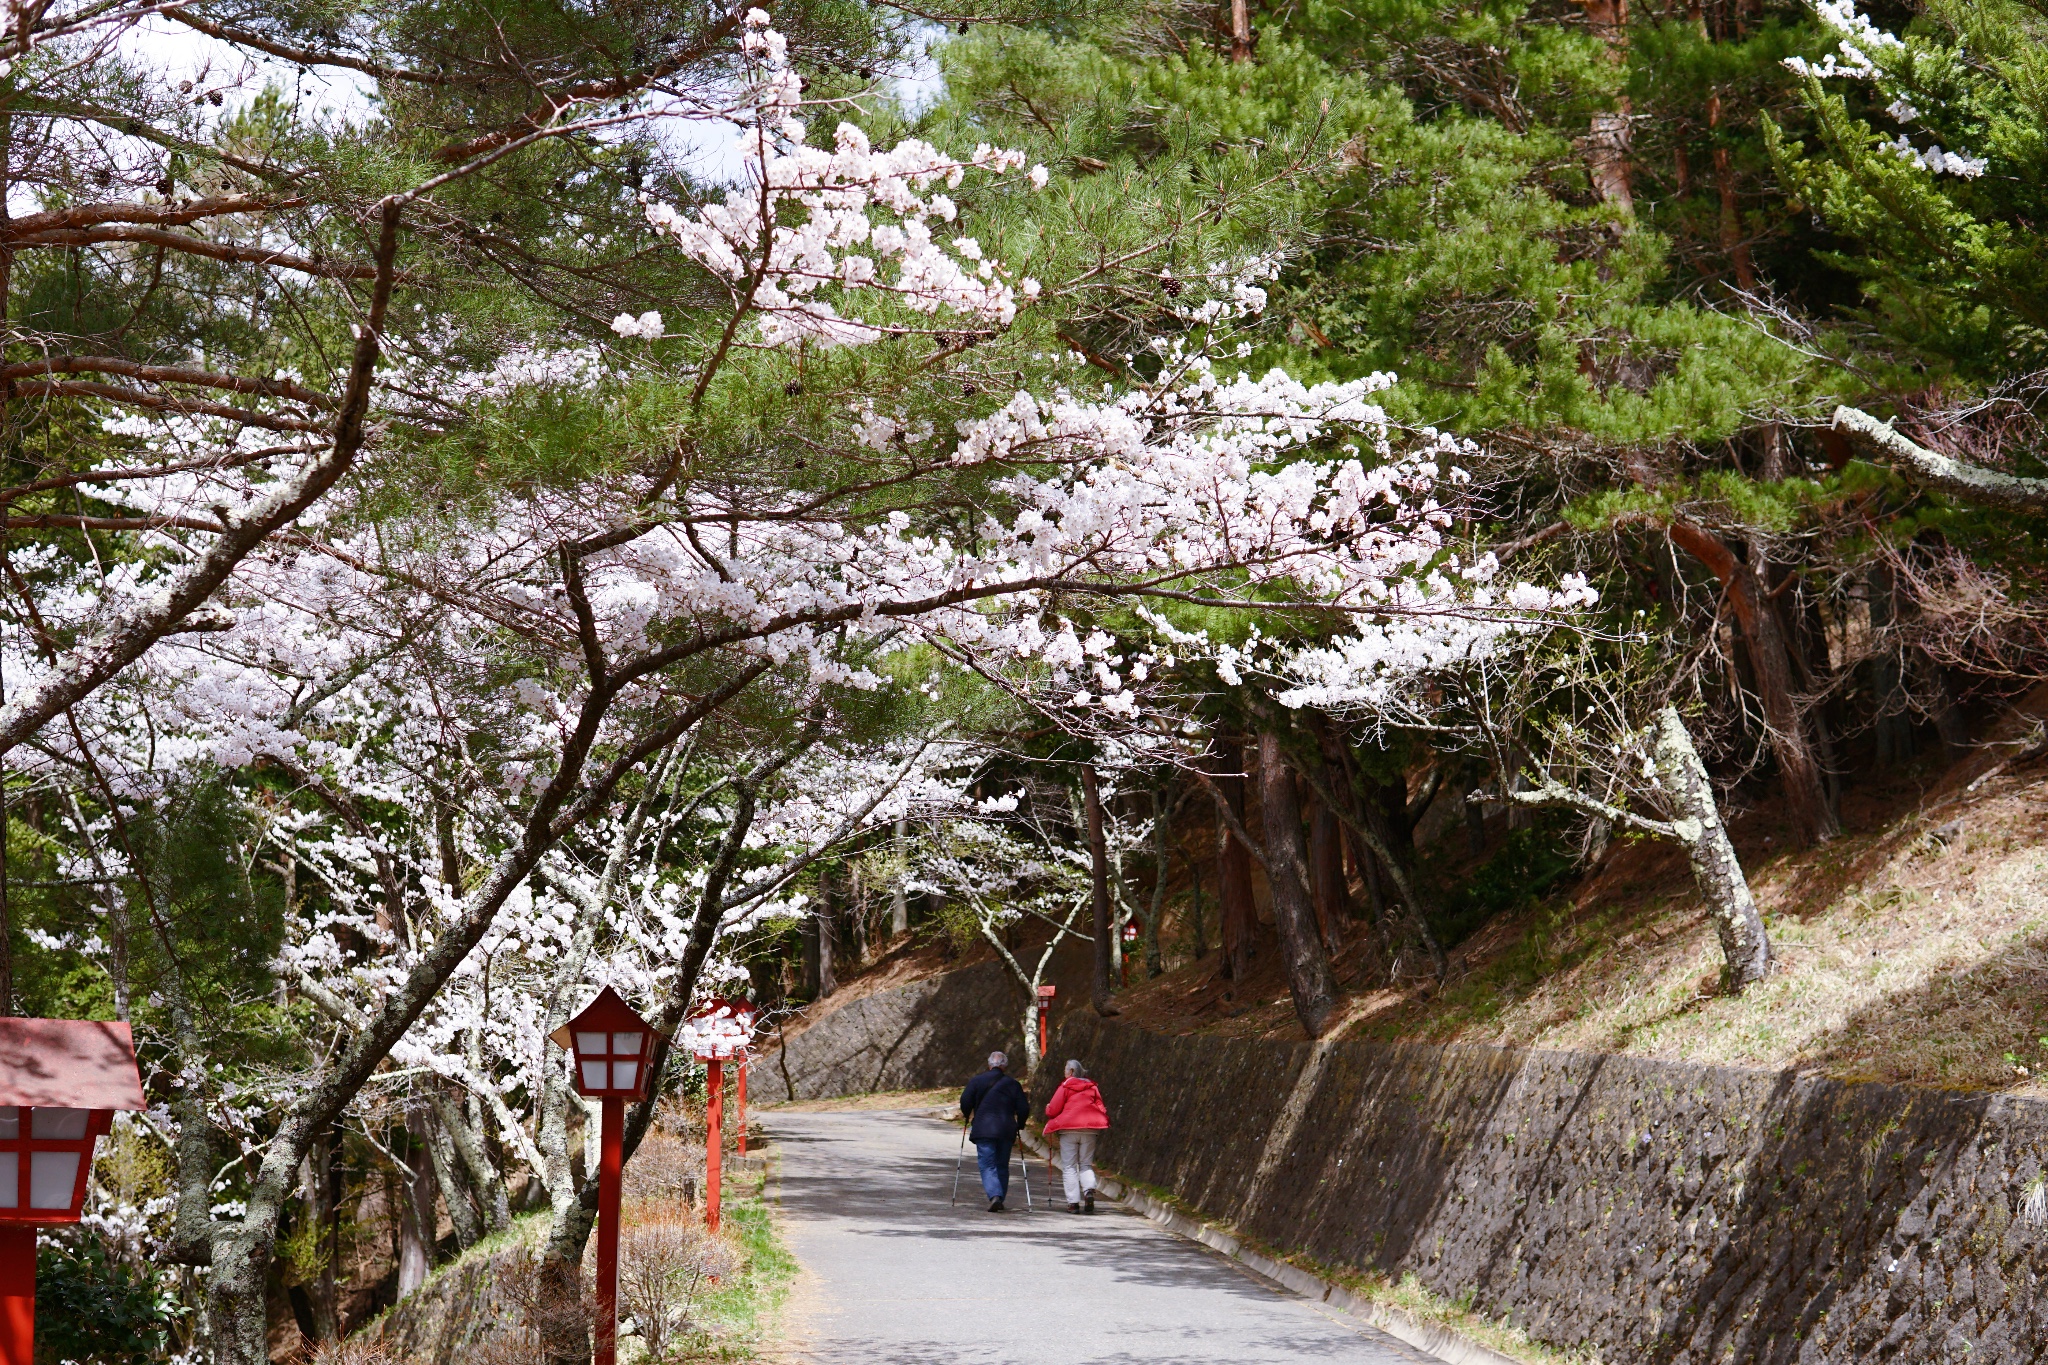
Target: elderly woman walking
x: 1076, y: 1113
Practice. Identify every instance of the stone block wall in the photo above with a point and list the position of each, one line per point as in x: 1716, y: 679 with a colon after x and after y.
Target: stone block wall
x: 929, y: 1033
x: 1651, y: 1211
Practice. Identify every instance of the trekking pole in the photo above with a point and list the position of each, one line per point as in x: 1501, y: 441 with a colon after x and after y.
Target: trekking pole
x: 957, y: 1162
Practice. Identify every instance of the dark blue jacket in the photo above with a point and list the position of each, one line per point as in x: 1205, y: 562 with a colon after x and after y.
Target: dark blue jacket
x: 996, y: 1105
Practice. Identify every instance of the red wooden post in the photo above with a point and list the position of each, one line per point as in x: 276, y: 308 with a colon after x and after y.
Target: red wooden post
x: 743, y: 1104
x: 609, y: 1043
x: 608, y: 1164
x: 1045, y: 995
x: 17, y: 1294
x: 714, y: 1140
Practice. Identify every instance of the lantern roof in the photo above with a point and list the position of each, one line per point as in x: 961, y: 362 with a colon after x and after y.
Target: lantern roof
x: 69, y: 1064
x: 608, y: 1013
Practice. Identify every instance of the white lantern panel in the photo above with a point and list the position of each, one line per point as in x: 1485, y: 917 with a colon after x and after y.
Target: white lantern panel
x: 10, y: 1122
x: 591, y: 1044
x: 626, y: 1044
x: 63, y: 1124
x: 10, y: 1180
x: 52, y: 1176
x: 625, y: 1075
x: 594, y: 1076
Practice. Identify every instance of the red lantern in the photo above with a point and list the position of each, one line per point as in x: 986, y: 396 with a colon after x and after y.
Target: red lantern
x: 60, y: 1082
x: 611, y: 1042
x: 717, y: 1031
x: 611, y: 1045
x: 1045, y: 995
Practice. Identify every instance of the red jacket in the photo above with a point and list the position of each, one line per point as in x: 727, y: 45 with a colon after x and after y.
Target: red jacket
x: 1076, y: 1104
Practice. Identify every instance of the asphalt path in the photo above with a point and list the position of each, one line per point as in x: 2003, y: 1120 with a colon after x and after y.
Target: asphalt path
x: 897, y: 1275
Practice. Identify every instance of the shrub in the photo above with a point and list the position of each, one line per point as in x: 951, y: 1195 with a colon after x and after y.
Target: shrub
x: 95, y: 1310
x: 664, y: 1261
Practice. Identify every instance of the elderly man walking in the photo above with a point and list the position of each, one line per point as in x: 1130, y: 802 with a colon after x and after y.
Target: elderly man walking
x: 995, y: 1107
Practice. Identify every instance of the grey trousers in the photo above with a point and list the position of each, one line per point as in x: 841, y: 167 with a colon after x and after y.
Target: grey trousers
x: 1077, y: 1162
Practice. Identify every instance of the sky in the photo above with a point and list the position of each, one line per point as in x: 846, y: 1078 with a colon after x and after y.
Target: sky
x: 712, y: 150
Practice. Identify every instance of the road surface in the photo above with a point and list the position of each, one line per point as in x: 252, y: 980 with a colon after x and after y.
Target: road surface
x: 895, y: 1275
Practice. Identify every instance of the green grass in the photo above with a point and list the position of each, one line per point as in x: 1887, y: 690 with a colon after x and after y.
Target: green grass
x: 740, y: 1314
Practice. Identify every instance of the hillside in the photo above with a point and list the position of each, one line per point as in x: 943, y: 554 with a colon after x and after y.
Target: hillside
x: 1914, y: 948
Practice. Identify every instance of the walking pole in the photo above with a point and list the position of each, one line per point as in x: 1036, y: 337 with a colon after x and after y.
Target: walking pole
x: 956, y: 1164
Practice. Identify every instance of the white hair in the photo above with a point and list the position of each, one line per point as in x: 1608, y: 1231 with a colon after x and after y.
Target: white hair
x: 998, y: 1059
x: 1074, y: 1068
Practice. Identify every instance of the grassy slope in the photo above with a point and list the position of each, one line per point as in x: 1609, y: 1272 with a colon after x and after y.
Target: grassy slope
x: 1913, y: 949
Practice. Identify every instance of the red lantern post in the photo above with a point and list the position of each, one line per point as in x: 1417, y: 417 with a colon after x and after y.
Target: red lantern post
x: 60, y: 1082
x: 1045, y: 995
x: 717, y: 1032
x: 611, y: 1043
x: 1130, y: 942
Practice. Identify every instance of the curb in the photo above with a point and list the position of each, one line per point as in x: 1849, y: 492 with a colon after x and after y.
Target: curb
x: 1438, y: 1340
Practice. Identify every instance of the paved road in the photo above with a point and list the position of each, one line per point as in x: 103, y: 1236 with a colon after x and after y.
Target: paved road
x: 898, y: 1276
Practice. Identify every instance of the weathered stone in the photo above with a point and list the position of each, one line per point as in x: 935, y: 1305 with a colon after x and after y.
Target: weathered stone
x: 930, y: 1033
x: 1654, y: 1211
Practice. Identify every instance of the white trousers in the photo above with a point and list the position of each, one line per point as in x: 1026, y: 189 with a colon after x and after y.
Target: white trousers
x: 1077, y: 1162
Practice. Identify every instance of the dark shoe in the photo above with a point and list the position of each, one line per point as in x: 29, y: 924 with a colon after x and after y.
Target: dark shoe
x: 1088, y: 1202
x: 995, y: 1205
x: 1073, y: 1208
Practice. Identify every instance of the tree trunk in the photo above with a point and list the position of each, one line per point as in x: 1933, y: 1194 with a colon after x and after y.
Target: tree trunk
x: 810, y: 959
x: 1098, y: 890
x: 1326, y: 866
x: 1294, y: 913
x: 321, y: 1208
x: 1161, y: 864
x: 1375, y: 896
x: 1732, y: 240
x: 1195, y: 908
x: 1893, y: 728
x: 828, y: 935
x: 1236, y: 914
x: 1745, y: 946
x: 1609, y: 141
x: 486, y: 1176
x: 450, y: 1176
x: 899, y: 903
x: 1806, y: 793
x: 1240, y: 31
x: 416, y: 1217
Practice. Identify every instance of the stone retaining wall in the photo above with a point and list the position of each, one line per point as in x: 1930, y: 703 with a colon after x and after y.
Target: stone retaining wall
x: 1652, y: 1211
x: 930, y: 1033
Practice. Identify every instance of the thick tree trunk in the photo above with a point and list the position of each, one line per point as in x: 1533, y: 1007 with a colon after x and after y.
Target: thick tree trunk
x: 1287, y: 869
x: 1745, y: 947
x: 1098, y: 891
x: 1799, y: 766
x: 1236, y: 914
x: 1195, y: 908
